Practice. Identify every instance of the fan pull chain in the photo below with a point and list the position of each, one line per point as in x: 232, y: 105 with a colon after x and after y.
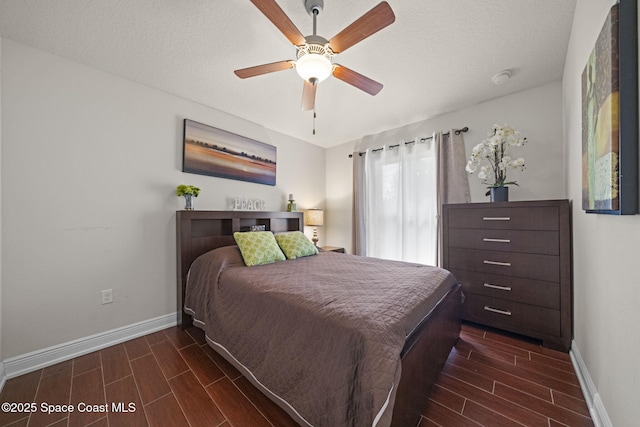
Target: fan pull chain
x: 314, y: 121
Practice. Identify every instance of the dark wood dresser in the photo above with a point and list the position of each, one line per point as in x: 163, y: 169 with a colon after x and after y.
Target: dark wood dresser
x: 513, y: 260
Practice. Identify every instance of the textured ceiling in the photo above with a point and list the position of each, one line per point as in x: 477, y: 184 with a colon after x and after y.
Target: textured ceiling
x: 437, y: 57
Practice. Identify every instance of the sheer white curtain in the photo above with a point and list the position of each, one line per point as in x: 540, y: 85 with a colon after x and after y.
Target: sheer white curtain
x: 398, y: 194
x: 402, y: 213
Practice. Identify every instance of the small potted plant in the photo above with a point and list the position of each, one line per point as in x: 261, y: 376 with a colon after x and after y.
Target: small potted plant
x: 189, y: 192
x: 494, y: 150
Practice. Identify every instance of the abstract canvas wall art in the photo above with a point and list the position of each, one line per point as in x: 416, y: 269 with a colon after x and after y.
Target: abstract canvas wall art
x: 609, y: 124
x: 216, y: 152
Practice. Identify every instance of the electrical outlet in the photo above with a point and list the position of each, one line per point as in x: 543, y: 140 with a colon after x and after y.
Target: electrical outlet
x: 107, y: 296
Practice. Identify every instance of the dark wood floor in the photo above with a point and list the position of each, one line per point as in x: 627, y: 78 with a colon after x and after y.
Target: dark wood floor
x: 172, y: 378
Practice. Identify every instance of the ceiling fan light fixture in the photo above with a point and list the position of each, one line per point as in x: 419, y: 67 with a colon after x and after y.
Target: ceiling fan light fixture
x: 314, y: 66
x: 314, y: 62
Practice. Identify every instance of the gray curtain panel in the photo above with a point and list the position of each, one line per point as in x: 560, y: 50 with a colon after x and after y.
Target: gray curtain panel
x: 359, y: 207
x: 453, y: 181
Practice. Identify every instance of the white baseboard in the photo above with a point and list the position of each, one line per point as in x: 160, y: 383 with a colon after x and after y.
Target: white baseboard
x: 3, y: 375
x: 29, y: 362
x: 596, y: 407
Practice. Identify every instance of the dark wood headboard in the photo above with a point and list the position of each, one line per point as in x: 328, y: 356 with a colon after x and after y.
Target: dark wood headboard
x: 199, y: 232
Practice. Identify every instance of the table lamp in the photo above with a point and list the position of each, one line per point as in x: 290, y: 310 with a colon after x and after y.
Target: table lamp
x: 315, y: 217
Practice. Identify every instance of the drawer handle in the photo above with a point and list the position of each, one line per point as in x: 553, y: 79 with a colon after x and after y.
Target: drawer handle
x: 486, y: 239
x: 506, y: 264
x: 496, y: 218
x: 502, y: 288
x: 496, y: 310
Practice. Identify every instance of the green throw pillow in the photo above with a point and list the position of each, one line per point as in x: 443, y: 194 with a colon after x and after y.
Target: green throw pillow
x: 258, y: 247
x: 295, y: 244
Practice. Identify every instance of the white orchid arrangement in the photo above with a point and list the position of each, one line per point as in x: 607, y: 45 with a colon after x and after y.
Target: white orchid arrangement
x: 494, y: 150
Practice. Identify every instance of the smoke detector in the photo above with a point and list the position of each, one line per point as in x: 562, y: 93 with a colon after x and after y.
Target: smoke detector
x: 501, y: 77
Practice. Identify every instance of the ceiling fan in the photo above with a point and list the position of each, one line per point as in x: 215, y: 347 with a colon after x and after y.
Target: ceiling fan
x: 315, y: 53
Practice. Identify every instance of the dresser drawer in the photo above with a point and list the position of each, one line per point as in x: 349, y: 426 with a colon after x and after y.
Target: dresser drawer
x: 533, y: 292
x: 528, y: 266
x: 529, y: 218
x: 536, y: 242
x: 511, y: 315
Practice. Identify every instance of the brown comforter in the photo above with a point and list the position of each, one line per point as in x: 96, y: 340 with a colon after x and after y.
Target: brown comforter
x: 322, y: 333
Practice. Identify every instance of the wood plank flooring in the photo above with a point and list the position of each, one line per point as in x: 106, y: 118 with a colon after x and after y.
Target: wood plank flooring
x: 172, y: 378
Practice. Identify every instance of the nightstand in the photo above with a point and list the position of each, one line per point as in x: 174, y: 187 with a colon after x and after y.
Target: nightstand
x: 332, y: 249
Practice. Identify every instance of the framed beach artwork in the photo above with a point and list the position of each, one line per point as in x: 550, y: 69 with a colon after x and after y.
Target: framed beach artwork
x: 215, y: 152
x: 610, y: 116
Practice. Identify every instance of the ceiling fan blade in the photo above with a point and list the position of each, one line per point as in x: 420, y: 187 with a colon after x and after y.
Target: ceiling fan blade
x: 309, y: 96
x: 264, y: 69
x: 368, y: 24
x: 364, y: 83
x: 276, y: 15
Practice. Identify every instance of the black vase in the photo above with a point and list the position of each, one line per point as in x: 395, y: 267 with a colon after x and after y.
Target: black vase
x: 499, y: 194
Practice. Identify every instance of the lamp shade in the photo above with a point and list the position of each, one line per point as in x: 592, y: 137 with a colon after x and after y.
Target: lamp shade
x: 315, y: 217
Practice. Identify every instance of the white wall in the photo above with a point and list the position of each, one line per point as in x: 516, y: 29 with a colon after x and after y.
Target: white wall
x: 537, y: 113
x: 90, y: 163
x: 605, y: 253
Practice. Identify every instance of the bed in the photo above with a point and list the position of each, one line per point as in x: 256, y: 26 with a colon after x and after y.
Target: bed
x: 372, y: 366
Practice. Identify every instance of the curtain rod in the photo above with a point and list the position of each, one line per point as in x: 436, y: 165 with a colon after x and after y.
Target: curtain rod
x: 456, y: 131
